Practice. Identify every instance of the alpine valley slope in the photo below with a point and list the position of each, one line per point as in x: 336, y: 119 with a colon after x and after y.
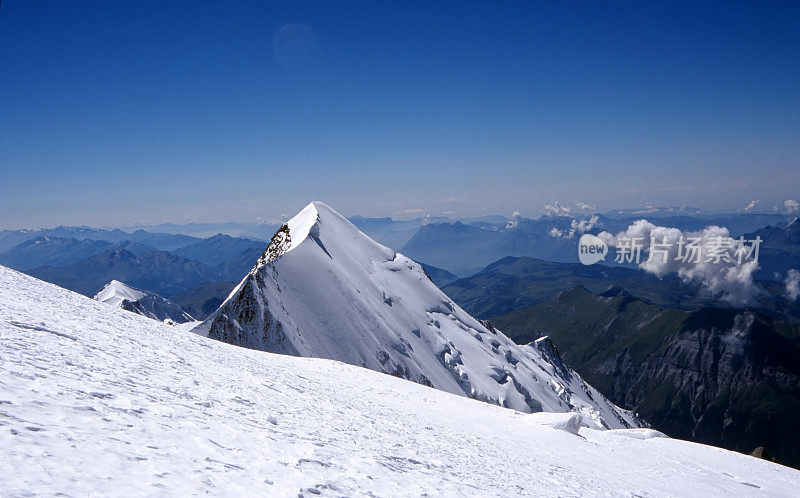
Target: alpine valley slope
x: 144, y: 303
x: 99, y: 401
x: 324, y: 289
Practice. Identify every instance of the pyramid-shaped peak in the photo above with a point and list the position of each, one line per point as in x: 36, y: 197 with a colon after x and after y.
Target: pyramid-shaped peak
x: 313, y: 213
x: 115, y: 292
x: 327, y: 230
x: 121, y: 295
x: 324, y: 289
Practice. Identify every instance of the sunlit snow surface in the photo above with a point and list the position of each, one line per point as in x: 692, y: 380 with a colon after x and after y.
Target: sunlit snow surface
x: 96, y: 400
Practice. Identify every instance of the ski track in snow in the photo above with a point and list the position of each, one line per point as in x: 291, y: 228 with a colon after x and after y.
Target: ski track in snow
x: 96, y: 400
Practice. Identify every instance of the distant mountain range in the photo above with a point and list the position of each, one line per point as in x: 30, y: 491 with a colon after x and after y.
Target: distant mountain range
x: 513, y: 283
x: 203, y: 299
x: 465, y: 248
x: 780, y: 239
x: 160, y: 272
x: 389, y: 232
x: 780, y: 250
x: 393, y: 233
x: 219, y: 249
x: 85, y: 259
x: 199, y: 271
x: 724, y: 377
x: 161, y: 241
x: 61, y: 251
x: 460, y: 247
x: 257, y: 230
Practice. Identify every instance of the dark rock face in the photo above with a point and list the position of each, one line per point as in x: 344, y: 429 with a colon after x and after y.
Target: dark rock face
x: 249, y: 307
x: 278, y: 245
x: 551, y: 354
x: 724, y: 377
x: 728, y: 384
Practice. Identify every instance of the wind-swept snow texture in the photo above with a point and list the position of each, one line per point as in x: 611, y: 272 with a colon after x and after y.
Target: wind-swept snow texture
x: 98, y: 401
x: 323, y: 289
x: 121, y: 295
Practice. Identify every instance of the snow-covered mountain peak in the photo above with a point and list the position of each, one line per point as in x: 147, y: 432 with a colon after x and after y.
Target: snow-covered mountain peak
x: 324, y: 289
x: 301, y: 224
x: 115, y: 292
x: 319, y: 224
x: 121, y: 295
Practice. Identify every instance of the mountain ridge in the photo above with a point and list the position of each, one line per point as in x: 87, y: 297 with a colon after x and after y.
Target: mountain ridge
x: 120, y: 295
x: 324, y: 289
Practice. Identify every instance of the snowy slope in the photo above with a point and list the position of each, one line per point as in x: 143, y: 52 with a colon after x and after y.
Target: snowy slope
x: 120, y: 295
x: 323, y: 289
x: 98, y: 401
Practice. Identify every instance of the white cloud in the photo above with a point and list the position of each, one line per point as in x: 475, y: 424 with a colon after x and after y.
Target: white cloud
x: 585, y: 207
x: 556, y: 209
x: 791, y: 206
x: 792, y: 284
x: 585, y: 224
x: 513, y: 222
x: 731, y: 280
x: 577, y: 226
x: 751, y: 205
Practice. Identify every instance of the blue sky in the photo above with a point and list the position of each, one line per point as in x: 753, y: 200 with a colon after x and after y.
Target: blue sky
x: 119, y: 112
